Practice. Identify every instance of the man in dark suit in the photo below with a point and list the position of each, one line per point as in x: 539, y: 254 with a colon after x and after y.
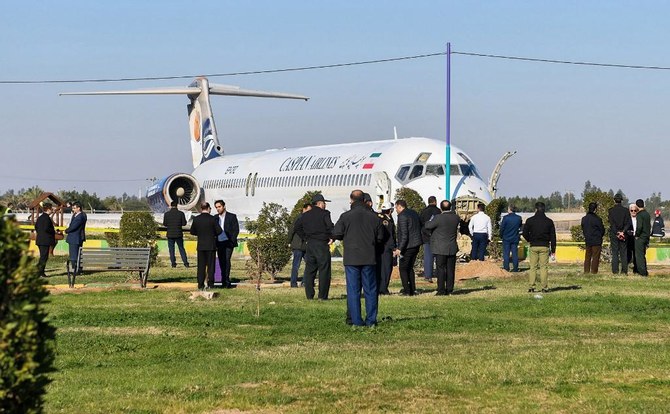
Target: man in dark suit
x: 426, y: 215
x: 409, y: 241
x: 226, y: 241
x: 385, y: 264
x: 207, y: 228
x: 76, y: 234
x: 510, y: 228
x: 174, y: 220
x: 594, y: 230
x: 443, y: 230
x: 298, y: 246
x: 620, y: 224
x: 642, y: 235
x: 45, y: 236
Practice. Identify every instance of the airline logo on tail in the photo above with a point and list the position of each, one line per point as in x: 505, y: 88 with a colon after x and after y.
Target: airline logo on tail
x: 203, y: 142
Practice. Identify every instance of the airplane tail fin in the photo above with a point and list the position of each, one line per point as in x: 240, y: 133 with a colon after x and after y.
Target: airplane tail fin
x: 205, y: 143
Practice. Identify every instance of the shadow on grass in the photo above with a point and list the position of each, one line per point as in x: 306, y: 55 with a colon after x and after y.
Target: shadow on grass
x: 467, y: 291
x: 559, y: 288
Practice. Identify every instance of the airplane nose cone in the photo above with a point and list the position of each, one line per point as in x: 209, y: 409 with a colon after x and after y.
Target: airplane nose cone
x: 180, y: 192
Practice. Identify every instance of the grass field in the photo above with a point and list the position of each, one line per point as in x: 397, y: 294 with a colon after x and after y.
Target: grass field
x: 594, y: 344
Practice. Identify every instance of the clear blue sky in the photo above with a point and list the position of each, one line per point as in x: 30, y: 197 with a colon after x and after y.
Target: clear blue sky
x: 568, y: 123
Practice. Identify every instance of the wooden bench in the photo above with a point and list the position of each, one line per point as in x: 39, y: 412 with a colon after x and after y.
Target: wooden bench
x: 131, y: 259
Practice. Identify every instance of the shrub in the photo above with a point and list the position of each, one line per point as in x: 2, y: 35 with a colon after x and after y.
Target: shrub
x: 269, y: 248
x: 26, y: 336
x: 138, y: 229
x: 494, y: 211
x: 577, y: 234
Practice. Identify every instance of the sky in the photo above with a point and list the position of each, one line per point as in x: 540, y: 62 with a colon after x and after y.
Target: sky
x: 569, y: 123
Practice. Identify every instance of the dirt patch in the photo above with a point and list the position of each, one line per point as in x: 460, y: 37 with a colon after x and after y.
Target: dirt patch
x: 477, y: 268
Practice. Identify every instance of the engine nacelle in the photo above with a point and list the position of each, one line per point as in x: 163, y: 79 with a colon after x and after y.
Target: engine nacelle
x: 181, y: 187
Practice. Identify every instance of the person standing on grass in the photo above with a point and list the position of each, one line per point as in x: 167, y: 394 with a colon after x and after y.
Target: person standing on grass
x: 443, y: 230
x: 642, y: 234
x: 408, y: 232
x: 76, y: 235
x: 594, y: 230
x: 658, y: 227
x: 298, y: 246
x: 540, y: 232
x: 174, y: 220
x: 481, y: 232
x: 510, y: 227
x: 426, y: 215
x: 206, y: 228
x: 45, y: 236
x: 226, y: 240
x: 620, y: 224
x: 360, y: 230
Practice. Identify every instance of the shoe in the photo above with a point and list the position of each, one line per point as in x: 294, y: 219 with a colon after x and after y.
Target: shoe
x: 441, y: 294
x: 186, y: 265
x: 174, y: 265
x: 531, y: 290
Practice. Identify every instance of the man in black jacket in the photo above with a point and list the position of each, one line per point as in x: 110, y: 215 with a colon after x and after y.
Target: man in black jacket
x: 45, y: 236
x: 385, y: 265
x: 540, y: 232
x: 316, y: 228
x: 443, y: 234
x: 174, y: 220
x: 409, y: 241
x: 594, y: 230
x: 620, y: 225
x: 207, y: 229
x: 642, y: 235
x: 298, y: 246
x: 426, y: 215
x: 361, y: 231
x: 226, y: 241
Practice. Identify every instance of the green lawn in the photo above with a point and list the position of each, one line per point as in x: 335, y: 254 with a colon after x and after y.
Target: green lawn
x: 594, y: 344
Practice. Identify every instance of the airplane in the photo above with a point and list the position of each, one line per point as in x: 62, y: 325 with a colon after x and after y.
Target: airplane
x: 283, y: 176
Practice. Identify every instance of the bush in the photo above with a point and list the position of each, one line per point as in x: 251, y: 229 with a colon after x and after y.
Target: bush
x: 26, y: 336
x: 577, y: 234
x: 494, y: 210
x: 138, y: 229
x: 269, y: 248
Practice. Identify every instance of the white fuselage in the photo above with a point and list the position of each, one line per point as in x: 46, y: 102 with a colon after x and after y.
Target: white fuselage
x: 283, y: 176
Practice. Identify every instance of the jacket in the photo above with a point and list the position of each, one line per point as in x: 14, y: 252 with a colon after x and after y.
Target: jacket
x: 444, y: 231
x: 174, y: 220
x: 619, y: 219
x: 76, y: 231
x: 426, y: 215
x: 361, y: 231
x: 658, y: 228
x: 510, y: 228
x: 390, y: 241
x: 408, y: 230
x: 45, y: 231
x: 231, y: 227
x: 315, y: 225
x: 593, y: 229
x: 643, y: 226
x: 207, y: 228
x: 540, y: 231
x: 294, y: 239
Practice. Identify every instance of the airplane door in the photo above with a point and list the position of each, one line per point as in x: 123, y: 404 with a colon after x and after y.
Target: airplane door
x: 382, y: 189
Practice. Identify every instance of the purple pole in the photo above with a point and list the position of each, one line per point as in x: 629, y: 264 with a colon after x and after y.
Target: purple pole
x: 448, y: 150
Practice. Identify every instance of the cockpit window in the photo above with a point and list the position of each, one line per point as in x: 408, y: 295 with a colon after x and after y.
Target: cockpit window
x: 417, y: 171
x: 402, y: 173
x: 454, y: 169
x: 434, y: 169
x: 470, y: 168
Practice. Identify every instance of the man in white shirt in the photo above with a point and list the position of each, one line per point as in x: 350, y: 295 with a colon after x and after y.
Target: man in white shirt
x: 481, y: 232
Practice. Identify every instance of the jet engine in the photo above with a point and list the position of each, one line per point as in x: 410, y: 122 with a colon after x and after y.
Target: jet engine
x: 181, y: 187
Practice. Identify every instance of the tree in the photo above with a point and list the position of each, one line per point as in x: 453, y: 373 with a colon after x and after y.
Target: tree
x: 494, y: 210
x: 26, y: 336
x: 139, y: 229
x: 413, y: 199
x: 269, y: 248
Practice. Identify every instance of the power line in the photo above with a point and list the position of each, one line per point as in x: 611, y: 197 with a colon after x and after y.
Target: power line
x: 71, y: 180
x: 334, y: 65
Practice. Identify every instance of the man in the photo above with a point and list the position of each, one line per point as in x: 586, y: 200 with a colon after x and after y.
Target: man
x: 510, y: 228
x: 361, y: 231
x: 443, y: 230
x: 316, y: 228
x: 174, y: 220
x: 642, y: 235
x: 620, y: 224
x: 658, y: 227
x: 45, y: 236
x: 426, y: 215
x: 540, y: 232
x: 481, y: 233
x: 207, y: 229
x: 298, y: 246
x: 409, y: 240
x: 76, y: 235
x: 594, y: 230
x: 388, y: 245
x: 226, y: 241
x: 630, y: 238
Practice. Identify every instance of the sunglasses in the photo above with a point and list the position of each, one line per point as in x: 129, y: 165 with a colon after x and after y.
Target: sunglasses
x: 634, y: 211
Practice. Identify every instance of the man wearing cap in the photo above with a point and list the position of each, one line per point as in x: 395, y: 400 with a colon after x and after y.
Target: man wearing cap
x: 316, y: 228
x: 642, y: 234
x: 594, y: 230
x: 45, y: 236
x: 658, y: 227
x: 426, y: 215
x: 361, y: 231
x: 620, y: 224
x: 206, y: 227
